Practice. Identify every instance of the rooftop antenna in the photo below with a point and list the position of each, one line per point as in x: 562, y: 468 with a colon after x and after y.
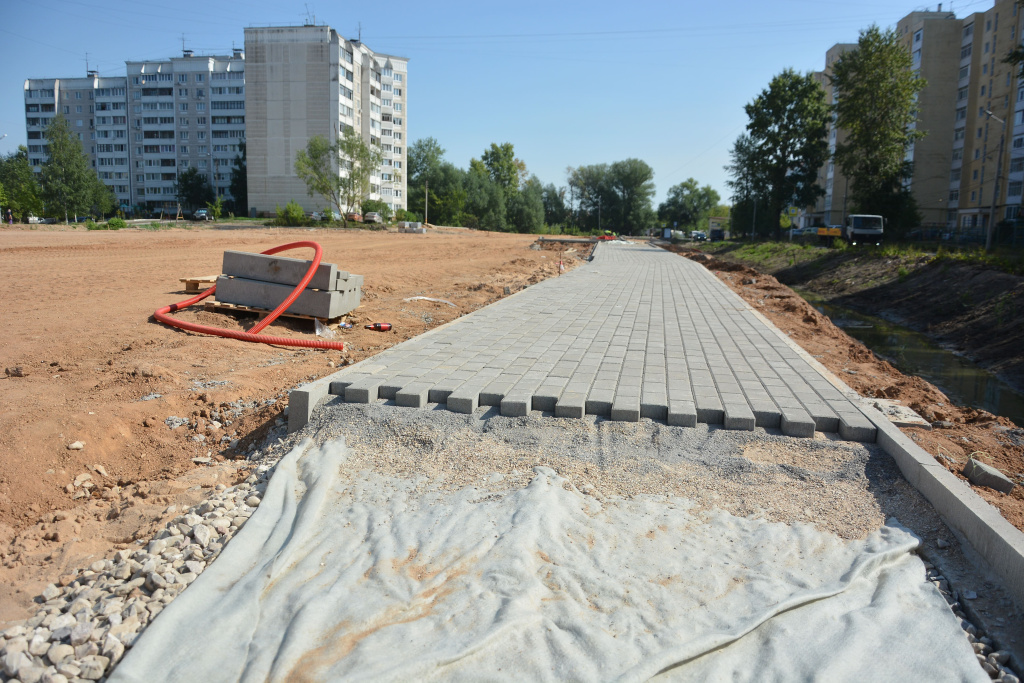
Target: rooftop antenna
x: 86, y: 62
x: 360, y: 32
x: 310, y: 16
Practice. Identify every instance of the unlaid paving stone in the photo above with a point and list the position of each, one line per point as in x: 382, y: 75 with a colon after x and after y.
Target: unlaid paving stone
x: 637, y: 333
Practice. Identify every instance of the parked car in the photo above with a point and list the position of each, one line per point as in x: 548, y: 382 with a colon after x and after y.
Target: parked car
x: 698, y: 235
x: 201, y: 215
x: 372, y: 217
x: 353, y: 216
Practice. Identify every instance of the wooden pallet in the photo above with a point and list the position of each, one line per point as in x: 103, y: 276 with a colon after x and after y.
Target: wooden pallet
x: 222, y: 307
x: 194, y: 285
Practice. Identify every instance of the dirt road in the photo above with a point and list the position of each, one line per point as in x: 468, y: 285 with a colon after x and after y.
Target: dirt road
x: 98, y: 370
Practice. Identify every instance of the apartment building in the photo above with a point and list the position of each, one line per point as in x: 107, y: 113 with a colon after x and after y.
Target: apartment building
x: 305, y: 81
x: 185, y: 112
x: 831, y: 207
x: 96, y: 109
x: 959, y: 174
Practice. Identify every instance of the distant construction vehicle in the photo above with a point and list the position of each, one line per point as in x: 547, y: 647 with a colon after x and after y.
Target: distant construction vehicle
x: 858, y: 228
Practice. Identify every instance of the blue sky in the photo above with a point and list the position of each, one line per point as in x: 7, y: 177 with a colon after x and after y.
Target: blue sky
x: 567, y: 83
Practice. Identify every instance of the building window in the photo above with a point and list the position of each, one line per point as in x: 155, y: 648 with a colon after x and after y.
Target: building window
x: 954, y: 195
x: 974, y: 194
x: 1017, y: 165
x: 1013, y: 189
x: 183, y: 106
x: 200, y: 78
x: 968, y: 30
x: 182, y: 92
x: 398, y: 78
x: 958, y: 134
x: 1018, y: 142
x: 965, y: 71
x: 954, y: 177
x: 961, y: 113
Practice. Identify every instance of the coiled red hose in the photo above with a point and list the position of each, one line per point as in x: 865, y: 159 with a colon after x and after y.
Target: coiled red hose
x: 254, y: 335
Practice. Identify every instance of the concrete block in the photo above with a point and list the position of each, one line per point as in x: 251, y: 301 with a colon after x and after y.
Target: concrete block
x: 516, y: 405
x: 709, y: 409
x: 571, y: 405
x: 682, y: 414
x: 654, y: 409
x: 364, y: 391
x: 982, y: 474
x: 599, y: 402
x: 303, y: 400
x: 796, y: 422
x: 413, y: 395
x: 738, y: 416
x: 463, y: 401
x: 625, y: 409
x: 268, y: 295
x: 856, y: 427
x: 280, y: 269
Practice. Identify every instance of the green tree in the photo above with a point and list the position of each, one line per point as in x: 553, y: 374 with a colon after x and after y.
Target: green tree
x: 787, y: 131
x: 504, y: 169
x: 687, y: 204
x: 877, y: 109
x: 526, y: 207
x: 485, y: 206
x: 67, y: 182
x: 216, y: 208
x: 102, y: 199
x: 632, y: 185
x: 555, y: 210
x: 424, y: 160
x: 749, y: 185
x: 338, y: 172
x: 239, y: 187
x: 193, y: 189
x: 590, y: 186
x: 20, y: 185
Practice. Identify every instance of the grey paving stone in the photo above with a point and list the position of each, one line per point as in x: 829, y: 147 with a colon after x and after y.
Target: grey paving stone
x: 413, y: 396
x: 738, y: 416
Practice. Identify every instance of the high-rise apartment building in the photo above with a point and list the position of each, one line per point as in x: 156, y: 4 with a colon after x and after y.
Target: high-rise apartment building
x: 306, y: 81
x: 96, y: 111
x: 185, y: 112
x: 164, y: 117
x: 959, y: 173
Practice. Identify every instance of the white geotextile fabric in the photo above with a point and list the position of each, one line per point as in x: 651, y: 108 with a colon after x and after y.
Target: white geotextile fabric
x: 356, y: 576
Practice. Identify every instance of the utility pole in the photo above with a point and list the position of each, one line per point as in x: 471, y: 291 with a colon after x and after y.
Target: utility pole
x: 426, y: 196
x: 990, y: 232
x: 599, y: 214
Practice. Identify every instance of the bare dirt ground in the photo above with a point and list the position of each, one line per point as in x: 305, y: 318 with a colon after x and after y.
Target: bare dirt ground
x: 96, y: 369
x: 992, y: 439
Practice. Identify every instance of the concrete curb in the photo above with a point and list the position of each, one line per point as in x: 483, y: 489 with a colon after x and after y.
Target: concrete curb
x: 997, y: 541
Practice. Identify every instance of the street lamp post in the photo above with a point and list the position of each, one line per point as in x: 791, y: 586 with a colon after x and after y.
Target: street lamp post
x: 990, y: 232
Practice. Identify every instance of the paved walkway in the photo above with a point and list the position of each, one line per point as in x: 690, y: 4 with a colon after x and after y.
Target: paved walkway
x: 638, y: 332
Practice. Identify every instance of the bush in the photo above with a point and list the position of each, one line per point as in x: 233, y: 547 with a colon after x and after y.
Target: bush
x: 403, y: 215
x: 90, y: 224
x: 116, y: 224
x: 292, y: 215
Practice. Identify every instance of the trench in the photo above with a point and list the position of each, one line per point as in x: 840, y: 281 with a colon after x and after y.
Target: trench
x: 964, y: 382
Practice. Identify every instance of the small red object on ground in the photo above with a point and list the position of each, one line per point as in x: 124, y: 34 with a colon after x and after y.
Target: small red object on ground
x: 379, y: 327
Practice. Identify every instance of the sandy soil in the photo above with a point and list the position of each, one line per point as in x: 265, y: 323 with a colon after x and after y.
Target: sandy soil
x: 97, y: 369
x: 994, y: 440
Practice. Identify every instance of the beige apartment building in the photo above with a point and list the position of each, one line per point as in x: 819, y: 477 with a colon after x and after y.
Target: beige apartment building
x: 969, y: 92
x: 305, y: 81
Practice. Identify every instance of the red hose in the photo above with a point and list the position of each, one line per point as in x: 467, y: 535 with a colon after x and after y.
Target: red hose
x: 254, y: 335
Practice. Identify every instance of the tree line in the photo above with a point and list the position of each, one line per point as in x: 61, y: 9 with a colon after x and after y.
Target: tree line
x: 775, y: 162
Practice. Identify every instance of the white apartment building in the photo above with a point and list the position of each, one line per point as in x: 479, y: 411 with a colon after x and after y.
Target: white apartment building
x: 96, y: 109
x: 305, y: 81
x: 185, y: 112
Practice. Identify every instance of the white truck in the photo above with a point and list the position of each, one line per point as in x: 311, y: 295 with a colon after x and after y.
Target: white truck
x: 864, y: 229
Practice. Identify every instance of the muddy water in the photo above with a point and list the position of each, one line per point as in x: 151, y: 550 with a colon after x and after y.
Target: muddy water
x: 913, y: 353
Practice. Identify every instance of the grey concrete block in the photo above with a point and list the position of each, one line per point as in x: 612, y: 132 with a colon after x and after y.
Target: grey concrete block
x: 796, y: 422
x: 280, y: 269
x: 682, y: 414
x: 625, y: 409
x: 363, y: 391
x: 516, y: 405
x: 571, y: 405
x: 460, y: 401
x: 268, y: 295
x: 856, y: 427
x: 982, y: 474
x: 303, y: 400
x: 654, y: 410
x: 738, y: 416
x: 413, y: 395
